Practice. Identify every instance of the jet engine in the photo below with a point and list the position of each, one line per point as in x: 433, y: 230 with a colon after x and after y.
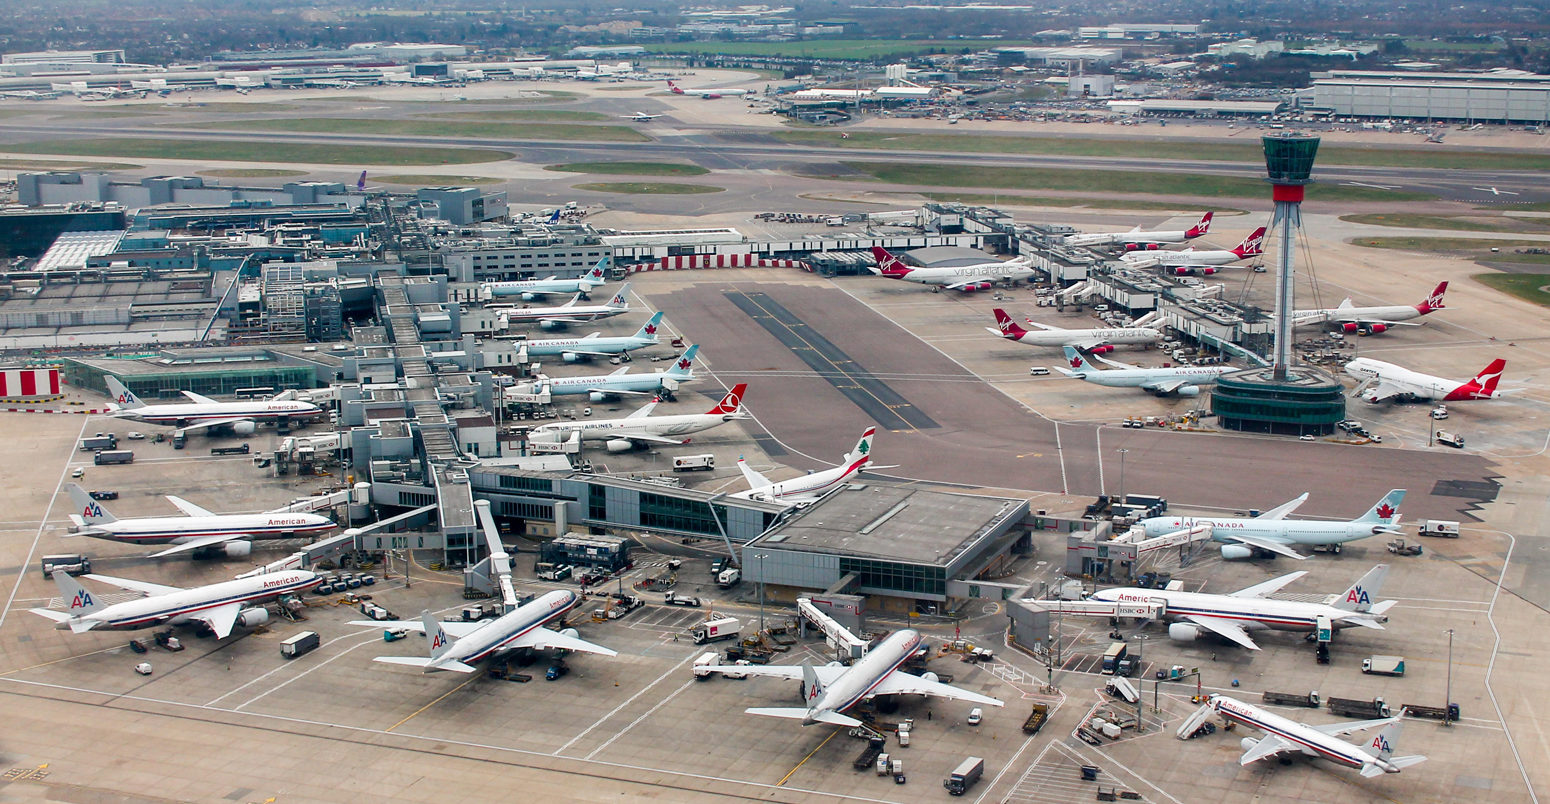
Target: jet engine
x: 571, y: 357
x: 1350, y: 326
x: 1247, y: 744
x: 929, y: 676
x: 619, y: 445
x: 243, y: 428
x: 1378, y: 329
x: 551, y: 325
x: 529, y: 296
x: 1236, y: 551
x: 570, y: 632
x: 239, y: 548
x: 597, y: 396
x: 252, y: 618
x: 1188, y: 390
x: 1102, y: 350
x: 1183, y: 632
x: 1183, y: 270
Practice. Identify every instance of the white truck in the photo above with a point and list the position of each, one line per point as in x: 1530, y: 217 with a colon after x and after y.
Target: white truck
x: 1451, y: 439
x: 729, y: 578
x: 694, y: 463
x: 1446, y: 528
x: 716, y: 629
x: 702, y: 665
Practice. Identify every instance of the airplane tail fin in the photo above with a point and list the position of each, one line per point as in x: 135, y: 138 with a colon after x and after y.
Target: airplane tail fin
x: 685, y: 365
x: 554, y: 216
x: 440, y: 643
x: 812, y: 686
x: 621, y: 299
x: 1201, y: 228
x: 887, y: 264
x: 1386, y: 511
x: 1253, y: 245
x: 1434, y: 301
x: 1382, y: 746
x: 863, y: 448
x: 1364, y: 592
x: 90, y: 511
x: 79, y: 601
x: 360, y: 183
x: 1079, y: 364
x: 1008, y: 327
x: 597, y: 276
x: 1484, y: 383
x: 648, y: 330
x: 732, y: 402
x: 123, y: 397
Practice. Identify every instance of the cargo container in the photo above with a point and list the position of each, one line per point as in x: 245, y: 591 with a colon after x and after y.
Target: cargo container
x: 964, y: 776
x: 304, y: 642
x: 1384, y: 665
x: 113, y: 456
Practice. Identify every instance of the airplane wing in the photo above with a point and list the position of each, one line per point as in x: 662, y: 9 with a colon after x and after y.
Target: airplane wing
x: 643, y: 411
x: 1269, y: 587
x: 137, y: 586
x: 1342, y: 729
x: 1371, y: 321
x: 619, y: 372
x: 1088, y: 344
x: 1114, y: 363
x: 454, y: 628
x: 1284, y: 509
x: 540, y: 638
x: 221, y: 619
x: 1385, y: 390
x: 791, y: 672
x: 1271, y: 545
x: 589, y: 353
x: 620, y: 392
x: 901, y: 683
x: 213, y: 423
x: 755, y: 480
x: 1223, y: 628
x: 561, y: 319
x: 1165, y: 386
x: 644, y: 438
x: 203, y: 400
x: 1268, y: 747
x: 188, y: 508
x: 966, y: 283
x: 205, y: 541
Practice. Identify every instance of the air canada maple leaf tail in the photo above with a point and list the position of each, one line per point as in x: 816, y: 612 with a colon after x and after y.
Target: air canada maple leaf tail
x: 1386, y: 511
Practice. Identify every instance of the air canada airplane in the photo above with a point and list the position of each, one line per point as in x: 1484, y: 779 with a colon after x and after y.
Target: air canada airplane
x: 1272, y: 532
x: 240, y: 417
x: 197, y: 529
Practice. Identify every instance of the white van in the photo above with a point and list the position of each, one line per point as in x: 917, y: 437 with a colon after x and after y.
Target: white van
x: 1038, y: 371
x: 975, y: 716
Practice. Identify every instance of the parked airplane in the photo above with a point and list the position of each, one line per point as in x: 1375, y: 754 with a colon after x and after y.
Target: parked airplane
x: 1135, y: 239
x: 600, y: 388
x: 642, y: 429
x: 580, y: 350
x: 1097, y: 341
x: 240, y: 417
x: 221, y: 606
x: 1188, y: 261
x: 233, y: 534
x: 707, y: 94
x: 1272, y: 531
x: 831, y: 689
x: 567, y: 313
x: 1284, y: 734
x: 813, y: 484
x: 640, y: 117
x: 1372, y: 320
x: 967, y: 278
x: 1381, y: 381
x: 1234, y: 615
x: 457, y: 646
x: 1181, y: 380
x: 530, y: 289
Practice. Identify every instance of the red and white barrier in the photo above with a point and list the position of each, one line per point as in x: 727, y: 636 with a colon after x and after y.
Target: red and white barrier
x: 699, y: 261
x: 29, y: 382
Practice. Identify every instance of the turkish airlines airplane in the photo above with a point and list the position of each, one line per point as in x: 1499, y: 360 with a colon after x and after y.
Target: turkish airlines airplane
x: 1273, y: 532
x: 809, y: 486
x: 643, y: 429
x: 530, y: 289
x: 232, y: 534
x: 221, y: 606
x: 707, y: 94
x: 458, y: 646
x: 567, y: 313
x: 240, y: 417
x: 966, y: 278
x: 1181, y: 380
x: 1189, y: 261
x: 1096, y: 341
x: 1372, y: 320
x: 1135, y: 239
x: 831, y: 689
x: 1283, y: 735
x: 1381, y: 381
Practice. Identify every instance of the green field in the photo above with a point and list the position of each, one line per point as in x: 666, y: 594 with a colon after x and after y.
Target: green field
x: 224, y: 107
x: 1453, y: 245
x: 1101, y: 181
x: 1455, y: 223
x: 49, y: 164
x: 862, y: 49
x: 631, y: 168
x: 650, y: 188
x: 252, y: 173
x: 525, y: 115
x: 1171, y: 149
x: 433, y: 180
x: 1072, y: 201
x: 1529, y: 287
x: 261, y: 151
x: 431, y: 128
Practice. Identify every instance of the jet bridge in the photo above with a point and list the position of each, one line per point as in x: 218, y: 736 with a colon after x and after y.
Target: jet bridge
x: 1145, y: 610
x: 1195, y: 533
x: 493, y: 574
x: 838, y: 636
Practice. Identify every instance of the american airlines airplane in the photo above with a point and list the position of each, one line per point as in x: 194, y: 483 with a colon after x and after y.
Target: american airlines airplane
x: 240, y: 417
x: 580, y: 350
x: 197, y: 529
x: 1272, y: 532
x: 643, y: 429
x: 601, y: 388
x: 1372, y: 320
x: 707, y: 94
x: 567, y: 313
x: 966, y: 278
x: 1283, y: 735
x: 1381, y: 381
x: 1233, y: 616
x: 1096, y: 341
x: 1181, y: 380
x: 809, y: 486
x: 530, y: 289
x: 1189, y: 261
x: 831, y: 689
x: 221, y: 606
x: 458, y: 646
x: 1135, y: 239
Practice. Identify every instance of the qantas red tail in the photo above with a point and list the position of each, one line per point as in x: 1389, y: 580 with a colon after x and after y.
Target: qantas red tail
x: 1253, y: 245
x: 1008, y: 327
x: 887, y: 264
x: 1434, y: 301
x: 732, y: 402
x: 1201, y: 228
x: 1483, y: 386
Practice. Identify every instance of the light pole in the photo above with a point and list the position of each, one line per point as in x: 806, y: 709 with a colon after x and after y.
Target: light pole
x: 760, y: 557
x: 1122, y: 453
x: 1140, y: 651
x: 1447, y: 705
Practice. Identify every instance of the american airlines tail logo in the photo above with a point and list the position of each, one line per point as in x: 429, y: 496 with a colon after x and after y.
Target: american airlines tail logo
x: 1358, y: 596
x: 617, y: 300
x: 439, y: 639
x: 91, y: 511
x: 82, y: 600
x: 124, y: 398
x: 1381, y: 743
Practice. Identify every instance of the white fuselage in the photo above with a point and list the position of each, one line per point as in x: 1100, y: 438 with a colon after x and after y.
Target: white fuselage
x: 185, y: 605
x: 535, y: 315
x: 506, y: 629
x: 1250, y: 613
x: 1355, y: 315
x: 1135, y: 378
x: 1183, y: 259
x: 990, y: 272
x: 1078, y: 337
x: 855, y: 684
x: 1309, y: 740
x: 540, y: 286
x: 180, y: 529
x: 1414, y: 383
x: 610, y: 429
x: 1137, y: 238
x: 605, y: 383
x: 1294, y: 531
x: 190, y: 412
x: 807, y: 486
x: 550, y: 347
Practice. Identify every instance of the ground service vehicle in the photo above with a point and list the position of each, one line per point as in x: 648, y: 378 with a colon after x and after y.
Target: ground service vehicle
x: 1352, y: 707
x: 1112, y: 657
x: 107, y: 457
x: 707, y: 660
x: 68, y: 564
x: 99, y: 441
x: 868, y: 756
x: 729, y: 578
x: 675, y: 599
x: 102, y: 495
x: 304, y: 642
x: 1451, y: 439
x: 716, y: 630
x: 241, y: 450
x: 964, y: 776
x: 1036, y: 720
x: 1440, y: 527
x: 553, y: 572
x: 1310, y: 700
x: 976, y: 716
x: 1384, y: 665
x: 694, y: 463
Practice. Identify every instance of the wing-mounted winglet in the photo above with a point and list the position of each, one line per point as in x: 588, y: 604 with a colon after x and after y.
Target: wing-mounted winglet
x: 188, y: 508
x: 203, y: 400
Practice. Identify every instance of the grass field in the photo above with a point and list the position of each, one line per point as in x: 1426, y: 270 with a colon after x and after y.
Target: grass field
x: 1103, y: 181
x: 1456, y: 223
x: 650, y: 188
x: 525, y: 115
x: 251, y: 173
x: 225, y: 107
x: 433, y: 180
x: 261, y: 151
x: 50, y: 164
x: 1452, y: 245
x: 835, y: 48
x: 631, y: 168
x: 1529, y: 287
x: 1141, y: 148
x: 1071, y: 201
x: 443, y: 127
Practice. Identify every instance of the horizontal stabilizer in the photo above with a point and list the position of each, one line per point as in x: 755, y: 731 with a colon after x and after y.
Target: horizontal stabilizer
x: 795, y: 713
x: 56, y: 616
x: 412, y: 661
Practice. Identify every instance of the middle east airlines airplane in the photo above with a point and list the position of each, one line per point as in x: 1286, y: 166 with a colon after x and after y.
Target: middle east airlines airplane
x: 458, y: 646
x: 579, y: 350
x: 809, y: 486
x: 831, y: 689
x: 966, y: 278
x: 221, y: 606
x: 1372, y: 320
x: 1283, y: 735
x: 530, y: 289
x: 1181, y: 380
x: 1135, y: 239
x: 1273, y: 532
x: 1233, y: 616
x: 1097, y: 341
x: 1188, y: 261
x: 232, y: 534
x: 240, y: 417
x: 643, y: 429
x: 601, y: 388
x: 1381, y: 381
x: 567, y: 313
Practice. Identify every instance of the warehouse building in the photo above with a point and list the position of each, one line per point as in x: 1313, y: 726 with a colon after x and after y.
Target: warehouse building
x: 1510, y: 97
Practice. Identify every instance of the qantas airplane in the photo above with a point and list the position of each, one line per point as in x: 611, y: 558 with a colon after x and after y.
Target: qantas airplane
x: 831, y: 689
x: 707, y: 94
x: 1372, y: 320
x: 643, y: 429
x: 580, y: 350
x: 601, y: 388
x: 567, y: 313
x: 457, y: 646
x: 1181, y: 380
x: 1189, y: 261
x: 240, y: 417
x: 967, y: 278
x: 1096, y: 341
x: 530, y: 289
x: 809, y: 486
x: 197, y: 529
x: 221, y: 606
x: 1381, y: 381
x: 1137, y: 240
x: 1273, y: 532
x: 1284, y: 735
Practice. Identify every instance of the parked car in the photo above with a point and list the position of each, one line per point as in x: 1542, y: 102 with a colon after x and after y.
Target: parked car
x: 103, y: 495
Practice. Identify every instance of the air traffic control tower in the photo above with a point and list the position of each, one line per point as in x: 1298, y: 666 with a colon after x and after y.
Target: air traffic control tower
x: 1284, y: 397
